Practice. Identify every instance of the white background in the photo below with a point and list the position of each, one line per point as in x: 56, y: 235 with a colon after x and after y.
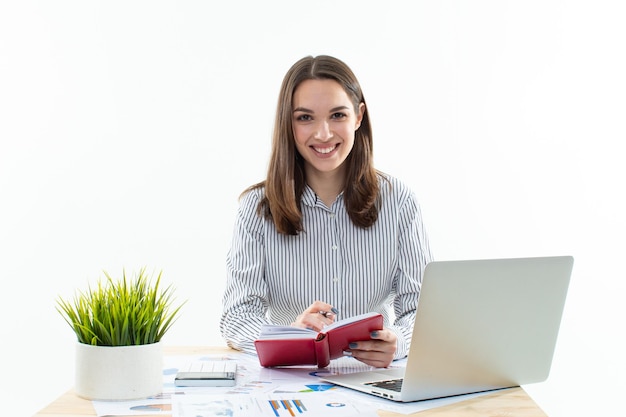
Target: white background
x: 128, y: 130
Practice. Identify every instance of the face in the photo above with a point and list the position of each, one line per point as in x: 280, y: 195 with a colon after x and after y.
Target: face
x: 324, y: 123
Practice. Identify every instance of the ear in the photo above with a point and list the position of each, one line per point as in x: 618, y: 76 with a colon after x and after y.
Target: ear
x: 359, y: 116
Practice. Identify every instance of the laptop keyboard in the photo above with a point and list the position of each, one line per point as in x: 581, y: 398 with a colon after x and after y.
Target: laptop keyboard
x: 392, y: 384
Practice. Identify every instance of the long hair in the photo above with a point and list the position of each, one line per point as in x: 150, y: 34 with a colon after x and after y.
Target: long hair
x: 286, y: 180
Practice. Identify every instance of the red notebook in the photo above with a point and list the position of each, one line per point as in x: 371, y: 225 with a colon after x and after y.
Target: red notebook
x: 288, y: 345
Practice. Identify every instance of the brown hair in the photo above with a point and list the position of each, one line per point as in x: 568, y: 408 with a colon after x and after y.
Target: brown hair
x: 285, y: 180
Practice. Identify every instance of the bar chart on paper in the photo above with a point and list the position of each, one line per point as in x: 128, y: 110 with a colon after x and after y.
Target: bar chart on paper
x: 287, y: 407
x: 314, y: 405
x: 308, y: 405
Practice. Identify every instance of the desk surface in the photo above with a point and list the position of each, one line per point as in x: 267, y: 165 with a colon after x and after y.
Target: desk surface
x: 513, y: 402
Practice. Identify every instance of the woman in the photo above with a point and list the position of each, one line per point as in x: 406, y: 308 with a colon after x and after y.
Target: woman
x: 326, y: 236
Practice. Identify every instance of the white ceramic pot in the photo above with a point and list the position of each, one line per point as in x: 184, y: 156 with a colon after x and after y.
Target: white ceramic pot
x: 118, y: 372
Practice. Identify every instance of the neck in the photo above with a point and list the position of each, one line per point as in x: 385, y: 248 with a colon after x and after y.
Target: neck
x: 327, y: 185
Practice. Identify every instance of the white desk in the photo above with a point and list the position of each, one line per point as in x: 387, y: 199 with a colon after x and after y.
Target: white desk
x: 513, y: 402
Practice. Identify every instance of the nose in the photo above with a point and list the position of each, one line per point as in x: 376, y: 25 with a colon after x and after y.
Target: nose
x: 322, y: 131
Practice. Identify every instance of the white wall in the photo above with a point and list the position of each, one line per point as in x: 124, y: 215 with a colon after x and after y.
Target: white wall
x: 128, y: 129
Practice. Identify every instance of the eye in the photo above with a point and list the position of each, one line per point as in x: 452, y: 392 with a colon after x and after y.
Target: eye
x: 338, y: 115
x: 304, y: 118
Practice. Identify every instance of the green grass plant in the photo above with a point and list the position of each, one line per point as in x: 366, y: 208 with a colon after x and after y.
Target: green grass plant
x: 124, y: 312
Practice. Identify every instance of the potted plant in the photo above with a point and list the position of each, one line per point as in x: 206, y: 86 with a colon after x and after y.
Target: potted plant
x: 119, y: 325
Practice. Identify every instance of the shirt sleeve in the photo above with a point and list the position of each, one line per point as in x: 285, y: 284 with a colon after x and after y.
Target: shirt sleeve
x: 414, y: 253
x: 245, y: 299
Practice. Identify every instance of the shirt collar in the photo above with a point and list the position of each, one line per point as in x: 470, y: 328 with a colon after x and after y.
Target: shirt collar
x: 309, y: 197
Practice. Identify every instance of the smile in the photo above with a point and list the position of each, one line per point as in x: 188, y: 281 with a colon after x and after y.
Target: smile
x: 325, y: 150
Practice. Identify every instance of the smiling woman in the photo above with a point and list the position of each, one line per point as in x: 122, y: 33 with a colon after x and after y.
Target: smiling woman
x: 324, y: 124
x: 325, y: 230
x: 358, y: 178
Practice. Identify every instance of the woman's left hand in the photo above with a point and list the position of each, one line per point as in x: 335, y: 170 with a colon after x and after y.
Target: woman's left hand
x: 379, y: 351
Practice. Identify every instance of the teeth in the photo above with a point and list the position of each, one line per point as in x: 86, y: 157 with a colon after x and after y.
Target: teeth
x: 325, y: 150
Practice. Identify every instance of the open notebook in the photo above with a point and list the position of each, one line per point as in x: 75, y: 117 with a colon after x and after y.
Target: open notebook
x: 480, y: 325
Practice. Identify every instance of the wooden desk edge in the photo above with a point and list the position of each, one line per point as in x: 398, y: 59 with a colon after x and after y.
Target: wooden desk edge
x: 513, y: 402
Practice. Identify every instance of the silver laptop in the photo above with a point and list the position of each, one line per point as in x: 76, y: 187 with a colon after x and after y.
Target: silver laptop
x: 480, y: 325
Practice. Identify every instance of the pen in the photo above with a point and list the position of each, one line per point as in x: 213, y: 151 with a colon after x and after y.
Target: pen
x: 333, y: 311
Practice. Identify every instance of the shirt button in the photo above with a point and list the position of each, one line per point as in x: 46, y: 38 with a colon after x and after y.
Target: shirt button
x: 335, y: 279
x: 334, y: 247
x: 331, y: 215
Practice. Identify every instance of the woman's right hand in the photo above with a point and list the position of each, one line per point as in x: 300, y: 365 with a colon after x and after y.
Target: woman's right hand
x: 316, y: 316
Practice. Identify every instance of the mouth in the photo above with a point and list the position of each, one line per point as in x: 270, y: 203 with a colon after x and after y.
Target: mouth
x: 324, y: 151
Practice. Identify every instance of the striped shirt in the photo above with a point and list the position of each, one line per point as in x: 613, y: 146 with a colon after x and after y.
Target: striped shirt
x: 273, y: 278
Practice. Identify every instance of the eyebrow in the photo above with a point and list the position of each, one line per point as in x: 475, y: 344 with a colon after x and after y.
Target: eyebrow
x: 333, y: 110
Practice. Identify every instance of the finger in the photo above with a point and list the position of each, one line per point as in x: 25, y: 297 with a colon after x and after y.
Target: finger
x: 322, y: 307
x: 318, y: 306
x: 376, y: 363
x: 372, y: 358
x: 384, y: 335
x: 375, y: 346
x: 316, y: 316
x: 370, y: 346
x: 313, y: 321
x: 330, y: 315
